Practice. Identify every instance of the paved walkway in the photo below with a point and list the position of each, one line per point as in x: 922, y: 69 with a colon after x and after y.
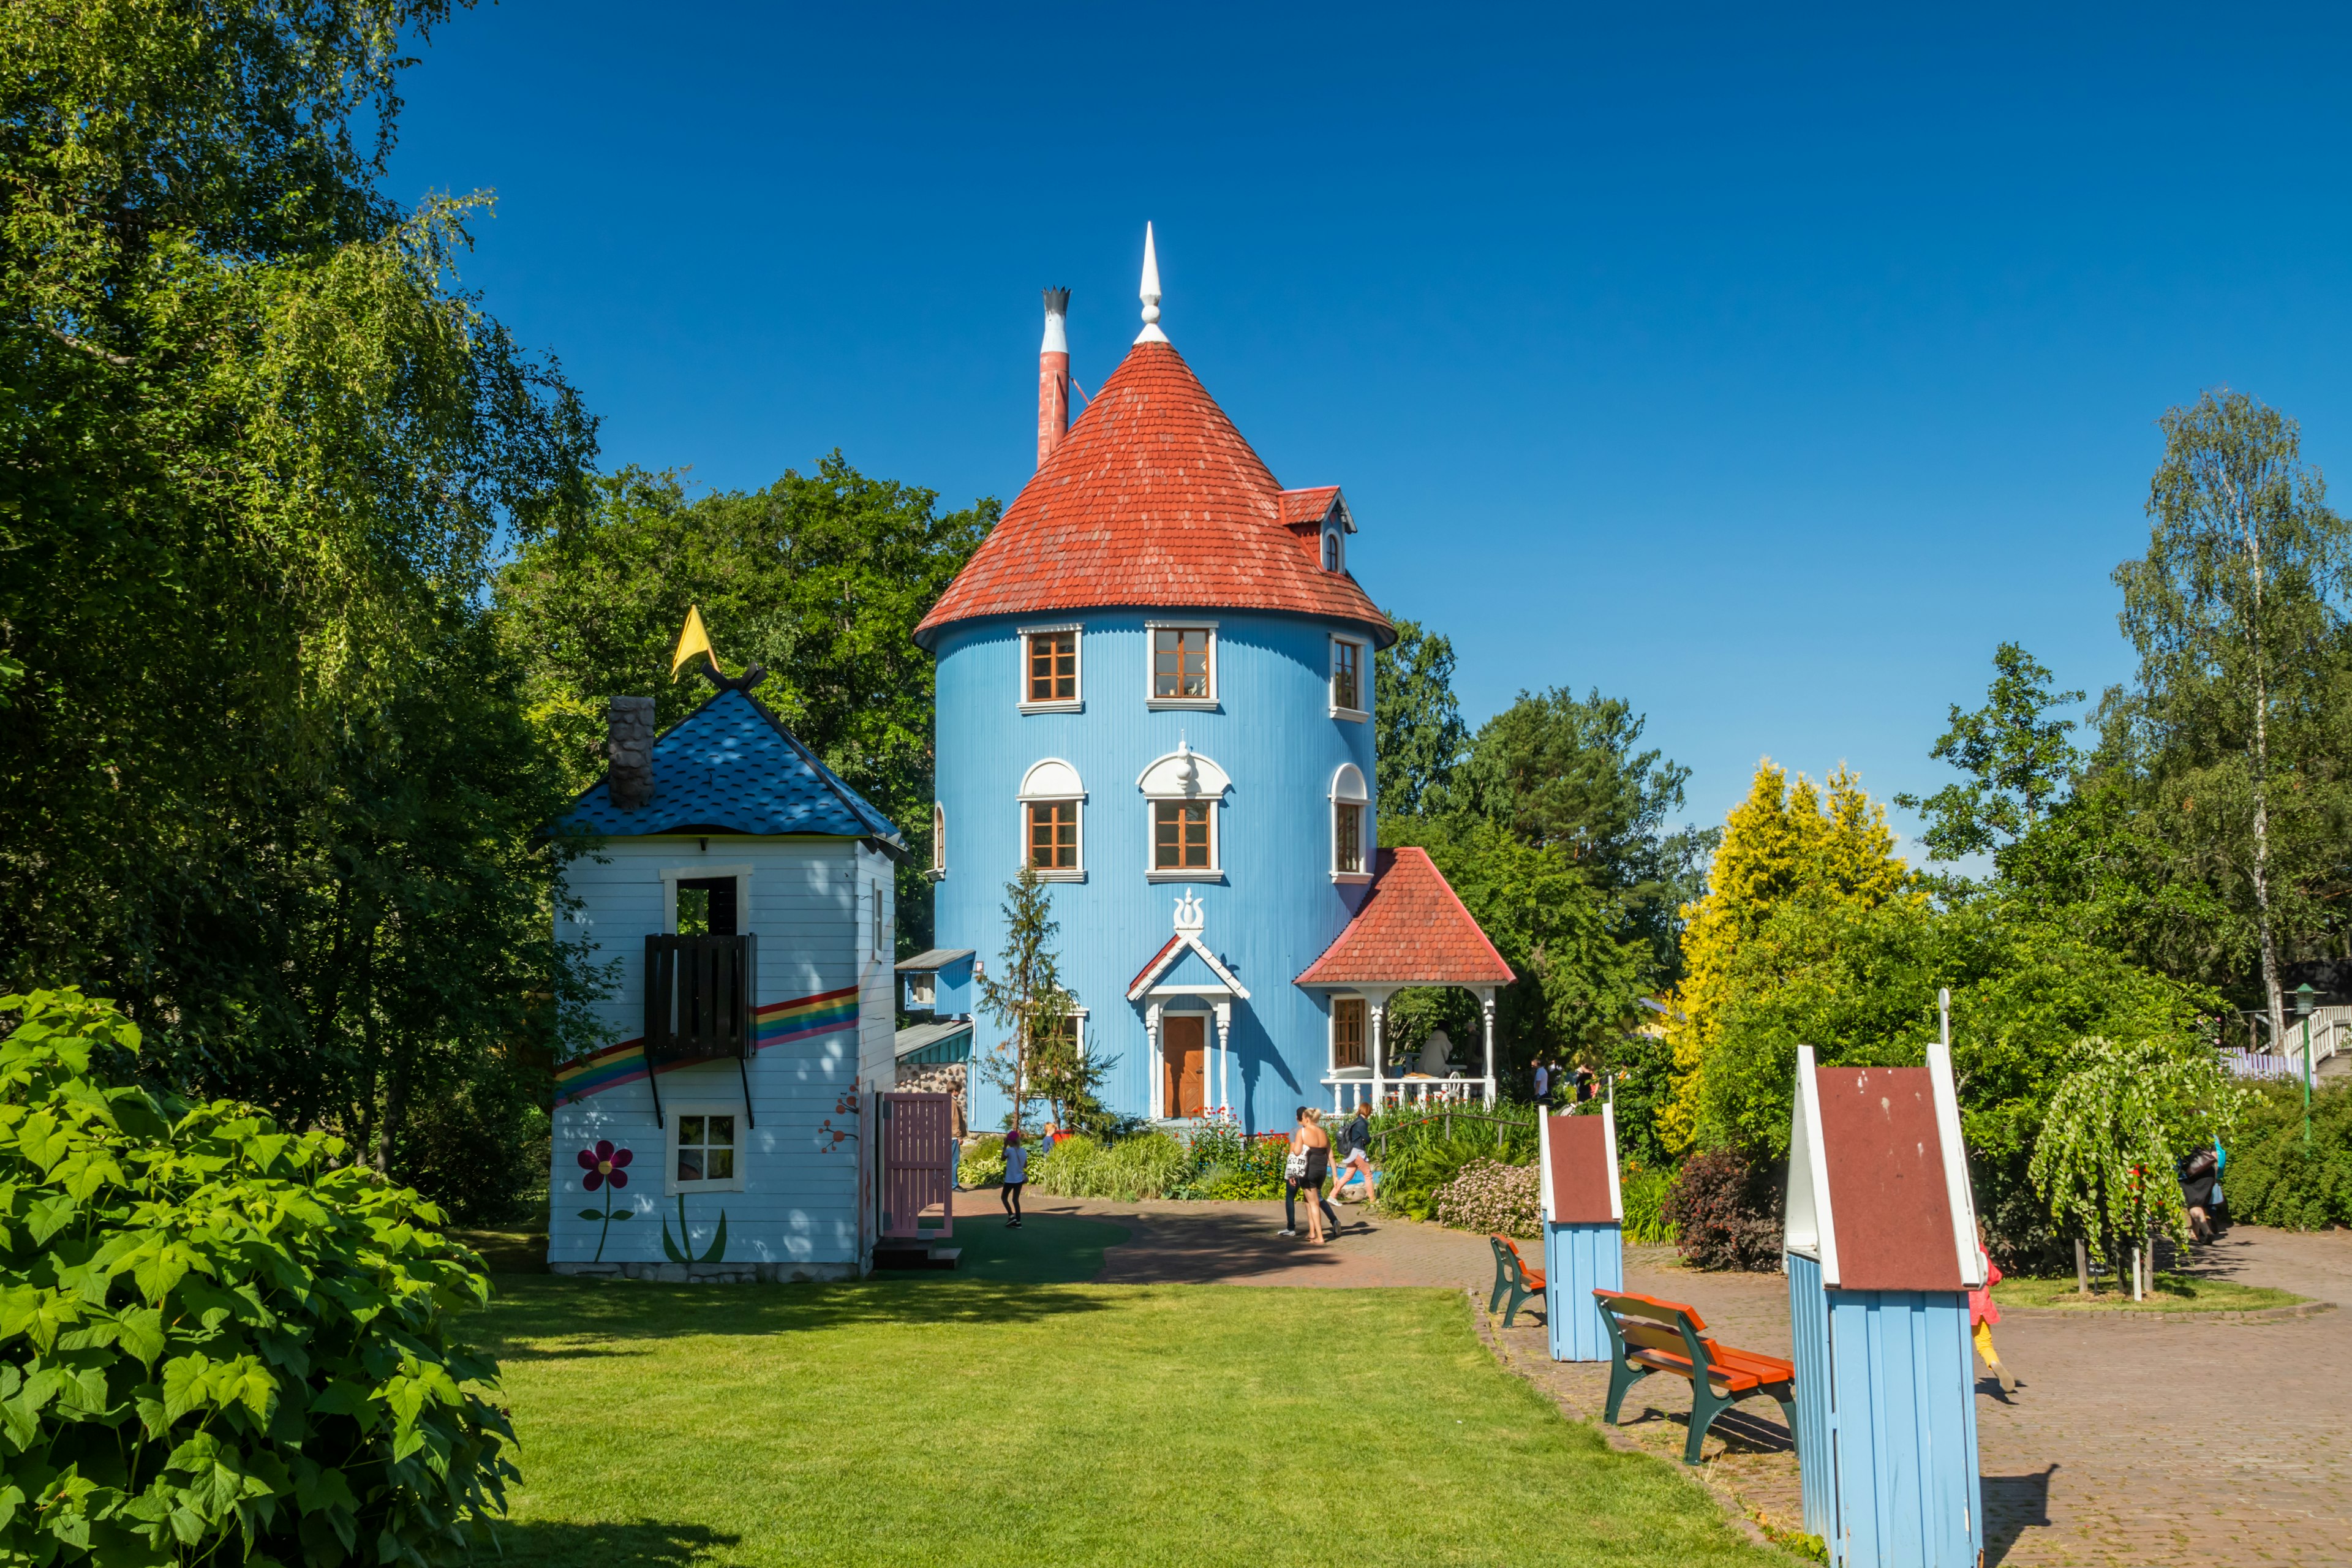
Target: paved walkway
x: 2128, y: 1442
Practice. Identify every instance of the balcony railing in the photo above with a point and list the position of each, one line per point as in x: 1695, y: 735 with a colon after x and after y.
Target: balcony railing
x: 699, y: 995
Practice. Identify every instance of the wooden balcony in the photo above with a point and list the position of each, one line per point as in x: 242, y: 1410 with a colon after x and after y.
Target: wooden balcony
x: 699, y: 994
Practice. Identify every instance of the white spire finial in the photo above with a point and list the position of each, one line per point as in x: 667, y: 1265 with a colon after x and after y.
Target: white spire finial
x: 1150, y: 293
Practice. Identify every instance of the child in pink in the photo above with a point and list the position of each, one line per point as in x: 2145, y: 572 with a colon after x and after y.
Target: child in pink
x: 1984, y: 1315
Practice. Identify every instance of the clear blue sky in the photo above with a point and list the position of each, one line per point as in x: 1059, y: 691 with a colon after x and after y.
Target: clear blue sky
x: 1763, y: 370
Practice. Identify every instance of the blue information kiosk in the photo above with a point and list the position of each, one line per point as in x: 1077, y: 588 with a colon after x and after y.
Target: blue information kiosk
x: 1881, y: 1254
x: 1584, y: 1225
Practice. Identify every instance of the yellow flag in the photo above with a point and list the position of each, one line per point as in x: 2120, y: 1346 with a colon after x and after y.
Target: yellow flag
x: 691, y: 641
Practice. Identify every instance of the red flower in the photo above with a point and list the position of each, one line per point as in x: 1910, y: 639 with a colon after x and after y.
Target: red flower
x: 604, y: 1163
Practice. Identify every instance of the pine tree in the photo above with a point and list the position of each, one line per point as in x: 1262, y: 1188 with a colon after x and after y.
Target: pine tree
x: 1781, y: 842
x: 1026, y: 995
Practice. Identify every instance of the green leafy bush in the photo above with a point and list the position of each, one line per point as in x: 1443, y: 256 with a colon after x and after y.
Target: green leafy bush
x: 1128, y: 1171
x: 982, y: 1163
x: 1229, y: 1166
x: 1418, y: 1151
x: 1495, y: 1199
x: 219, y: 1346
x: 2273, y: 1179
x: 1644, y: 1189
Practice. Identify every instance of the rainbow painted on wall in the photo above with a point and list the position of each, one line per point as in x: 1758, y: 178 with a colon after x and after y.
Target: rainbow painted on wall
x: 777, y: 1023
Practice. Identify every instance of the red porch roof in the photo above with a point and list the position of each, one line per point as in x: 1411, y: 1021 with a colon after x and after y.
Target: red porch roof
x: 1412, y: 931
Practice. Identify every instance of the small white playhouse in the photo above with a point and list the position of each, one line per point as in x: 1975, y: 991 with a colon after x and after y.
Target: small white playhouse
x: 742, y: 893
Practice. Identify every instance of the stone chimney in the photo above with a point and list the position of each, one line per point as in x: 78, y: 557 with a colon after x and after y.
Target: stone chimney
x: 1053, y: 376
x: 629, y: 745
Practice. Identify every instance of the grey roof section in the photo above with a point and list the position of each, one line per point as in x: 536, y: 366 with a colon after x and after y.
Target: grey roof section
x: 921, y: 1036
x: 730, y: 766
x: 937, y: 958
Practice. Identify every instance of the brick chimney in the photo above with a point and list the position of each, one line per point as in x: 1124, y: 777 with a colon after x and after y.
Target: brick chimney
x: 1053, y: 376
x: 629, y: 747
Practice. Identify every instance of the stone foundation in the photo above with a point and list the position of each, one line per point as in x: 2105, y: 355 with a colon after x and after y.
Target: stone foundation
x: 712, y: 1273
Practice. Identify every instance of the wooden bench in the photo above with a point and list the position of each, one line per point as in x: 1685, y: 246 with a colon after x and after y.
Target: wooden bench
x: 1512, y: 1274
x: 1650, y: 1335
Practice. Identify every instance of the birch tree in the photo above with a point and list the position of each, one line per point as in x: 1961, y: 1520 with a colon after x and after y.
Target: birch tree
x: 2233, y: 612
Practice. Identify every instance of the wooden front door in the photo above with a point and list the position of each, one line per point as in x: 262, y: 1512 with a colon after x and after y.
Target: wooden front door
x: 1184, y: 1046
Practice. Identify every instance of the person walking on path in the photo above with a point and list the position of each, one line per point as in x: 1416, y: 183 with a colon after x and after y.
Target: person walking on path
x: 1356, y: 1158
x: 1309, y: 1163
x: 1984, y: 1315
x: 1016, y: 1176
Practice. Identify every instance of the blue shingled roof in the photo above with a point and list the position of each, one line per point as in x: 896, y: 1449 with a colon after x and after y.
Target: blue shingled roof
x: 729, y: 765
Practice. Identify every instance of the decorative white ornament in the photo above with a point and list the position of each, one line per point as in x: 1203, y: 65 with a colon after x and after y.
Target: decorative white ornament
x: 1189, y: 918
x: 1150, y: 293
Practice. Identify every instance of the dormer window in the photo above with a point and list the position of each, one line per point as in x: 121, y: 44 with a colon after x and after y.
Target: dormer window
x: 1334, y: 552
x: 1183, y: 666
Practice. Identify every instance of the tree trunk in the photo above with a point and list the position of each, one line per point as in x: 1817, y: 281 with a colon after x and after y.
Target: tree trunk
x: 2273, y: 999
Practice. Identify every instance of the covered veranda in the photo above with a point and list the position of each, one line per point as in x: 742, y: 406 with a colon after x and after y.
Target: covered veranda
x: 1410, y: 930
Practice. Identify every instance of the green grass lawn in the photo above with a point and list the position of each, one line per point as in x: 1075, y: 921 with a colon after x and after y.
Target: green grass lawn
x: 949, y: 1419
x: 2173, y: 1293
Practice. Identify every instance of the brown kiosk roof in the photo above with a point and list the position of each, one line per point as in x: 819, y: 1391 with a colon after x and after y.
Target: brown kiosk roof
x: 1887, y: 1195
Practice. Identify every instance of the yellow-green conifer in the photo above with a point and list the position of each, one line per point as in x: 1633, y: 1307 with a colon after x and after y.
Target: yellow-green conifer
x: 1779, y: 843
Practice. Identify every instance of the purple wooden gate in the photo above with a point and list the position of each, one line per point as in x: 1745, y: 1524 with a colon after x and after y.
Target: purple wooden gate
x: 917, y: 1163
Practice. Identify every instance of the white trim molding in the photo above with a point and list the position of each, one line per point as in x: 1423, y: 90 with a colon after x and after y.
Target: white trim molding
x: 1362, y: 714
x: 1053, y: 782
x: 1077, y: 670
x: 674, y: 1116
x: 1151, y: 664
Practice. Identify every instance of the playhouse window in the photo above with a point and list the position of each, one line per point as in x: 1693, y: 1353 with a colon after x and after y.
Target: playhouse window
x: 1053, y: 835
x: 1348, y: 678
x: 1052, y: 668
x: 922, y: 992
x: 1181, y: 836
x: 1183, y: 664
x: 1347, y: 1032
x: 707, y: 907
x: 706, y: 1150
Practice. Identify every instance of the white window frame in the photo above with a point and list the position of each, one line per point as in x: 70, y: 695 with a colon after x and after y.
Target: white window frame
x: 1079, y: 669
x: 1362, y: 802
x: 1363, y: 680
x: 1334, y: 542
x: 939, y: 841
x: 1215, y: 872
x: 673, y: 1115
x: 1021, y: 820
x: 881, y: 936
x: 1151, y: 630
x: 923, y: 992
x: 673, y: 875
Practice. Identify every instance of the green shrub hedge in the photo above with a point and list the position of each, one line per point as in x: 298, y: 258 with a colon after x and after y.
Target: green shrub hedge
x: 218, y: 1343
x: 2272, y: 1178
x: 1128, y: 1171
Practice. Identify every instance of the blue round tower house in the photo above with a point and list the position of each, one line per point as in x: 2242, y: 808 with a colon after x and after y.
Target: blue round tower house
x: 1155, y: 687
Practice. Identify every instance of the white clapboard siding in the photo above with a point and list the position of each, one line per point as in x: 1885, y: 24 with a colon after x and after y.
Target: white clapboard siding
x: 810, y: 904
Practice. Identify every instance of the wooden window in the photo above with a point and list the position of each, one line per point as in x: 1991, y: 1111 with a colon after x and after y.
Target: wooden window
x: 1180, y: 836
x: 1347, y: 681
x: 939, y: 839
x: 1180, y: 663
x: 1052, y: 667
x: 1347, y: 1032
x: 1346, y: 837
x: 1053, y: 835
x: 706, y: 1153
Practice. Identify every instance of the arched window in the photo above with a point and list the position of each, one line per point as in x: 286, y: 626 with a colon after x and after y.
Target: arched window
x: 1351, y: 848
x: 1053, y: 803
x: 1335, y: 551
x: 1183, y: 788
x: 939, y: 839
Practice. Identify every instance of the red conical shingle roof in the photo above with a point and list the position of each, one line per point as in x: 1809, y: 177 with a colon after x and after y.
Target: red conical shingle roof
x: 1412, y: 930
x: 1154, y: 500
